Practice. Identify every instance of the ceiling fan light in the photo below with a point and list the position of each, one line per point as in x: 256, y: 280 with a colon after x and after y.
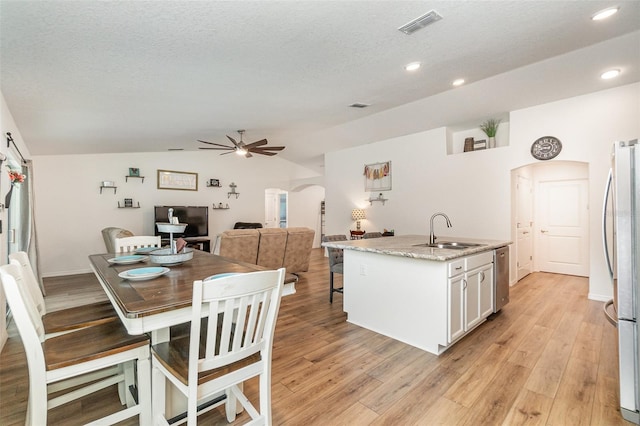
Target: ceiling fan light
x: 241, y: 151
x: 412, y: 66
x: 604, y: 14
x: 610, y: 74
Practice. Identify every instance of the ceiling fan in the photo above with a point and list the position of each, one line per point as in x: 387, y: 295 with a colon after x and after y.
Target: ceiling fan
x: 243, y: 149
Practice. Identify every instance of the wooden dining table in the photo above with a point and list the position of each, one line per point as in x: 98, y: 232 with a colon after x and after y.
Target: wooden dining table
x: 152, y: 306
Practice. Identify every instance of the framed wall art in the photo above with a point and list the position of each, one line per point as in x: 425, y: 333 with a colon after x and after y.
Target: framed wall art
x: 377, y: 176
x: 171, y: 179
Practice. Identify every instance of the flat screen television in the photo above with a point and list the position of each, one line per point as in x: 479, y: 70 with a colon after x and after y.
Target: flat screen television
x: 196, y: 218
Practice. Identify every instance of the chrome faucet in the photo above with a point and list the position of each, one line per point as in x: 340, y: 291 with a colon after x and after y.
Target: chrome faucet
x: 432, y: 237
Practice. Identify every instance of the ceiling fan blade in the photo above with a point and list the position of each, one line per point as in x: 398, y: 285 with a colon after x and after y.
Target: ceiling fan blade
x: 264, y: 153
x: 234, y: 142
x: 230, y: 152
x: 269, y: 148
x: 255, y: 144
x: 221, y: 149
x: 248, y: 155
x: 216, y: 144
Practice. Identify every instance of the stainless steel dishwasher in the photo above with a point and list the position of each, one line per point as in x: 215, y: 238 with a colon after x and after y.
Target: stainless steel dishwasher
x: 501, y: 262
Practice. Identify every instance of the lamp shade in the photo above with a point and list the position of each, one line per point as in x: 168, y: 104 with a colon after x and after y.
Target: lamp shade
x: 357, y: 214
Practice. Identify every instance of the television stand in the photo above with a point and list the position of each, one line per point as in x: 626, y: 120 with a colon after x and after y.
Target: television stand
x: 200, y: 243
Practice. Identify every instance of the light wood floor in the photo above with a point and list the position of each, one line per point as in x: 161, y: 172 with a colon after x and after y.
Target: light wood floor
x: 548, y: 358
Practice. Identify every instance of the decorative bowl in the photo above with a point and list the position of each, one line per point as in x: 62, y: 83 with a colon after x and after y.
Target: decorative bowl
x: 171, y: 227
x: 165, y: 257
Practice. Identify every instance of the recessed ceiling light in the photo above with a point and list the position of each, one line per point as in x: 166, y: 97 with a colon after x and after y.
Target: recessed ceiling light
x: 604, y: 14
x: 609, y: 74
x: 412, y: 66
x: 458, y: 82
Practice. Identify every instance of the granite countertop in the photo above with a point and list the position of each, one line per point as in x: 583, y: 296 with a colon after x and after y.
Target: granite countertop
x: 405, y: 246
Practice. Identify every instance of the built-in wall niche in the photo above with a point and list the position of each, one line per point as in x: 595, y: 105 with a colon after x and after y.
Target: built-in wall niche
x: 457, y: 134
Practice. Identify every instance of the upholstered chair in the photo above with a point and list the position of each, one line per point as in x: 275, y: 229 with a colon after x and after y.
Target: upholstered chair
x: 335, y: 262
x: 371, y: 235
x: 110, y: 234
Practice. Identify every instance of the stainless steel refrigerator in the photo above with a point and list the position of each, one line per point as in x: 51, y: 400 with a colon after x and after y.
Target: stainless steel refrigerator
x: 621, y: 238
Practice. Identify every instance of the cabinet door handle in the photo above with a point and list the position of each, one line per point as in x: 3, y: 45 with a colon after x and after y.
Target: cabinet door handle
x: 481, y: 276
x: 525, y: 232
x: 464, y: 284
x: 458, y: 268
x: 544, y: 231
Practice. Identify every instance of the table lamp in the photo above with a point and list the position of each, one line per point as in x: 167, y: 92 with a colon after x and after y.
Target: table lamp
x: 357, y: 215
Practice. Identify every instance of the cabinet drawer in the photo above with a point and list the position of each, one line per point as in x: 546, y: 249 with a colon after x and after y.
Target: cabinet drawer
x: 456, y: 267
x: 477, y: 260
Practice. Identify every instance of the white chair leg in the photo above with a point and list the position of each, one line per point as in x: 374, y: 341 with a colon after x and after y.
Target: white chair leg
x: 129, y: 380
x: 265, y: 397
x: 158, y: 402
x: 144, y: 390
x: 230, y: 405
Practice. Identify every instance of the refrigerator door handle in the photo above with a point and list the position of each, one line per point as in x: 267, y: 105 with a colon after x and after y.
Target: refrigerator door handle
x: 605, y: 244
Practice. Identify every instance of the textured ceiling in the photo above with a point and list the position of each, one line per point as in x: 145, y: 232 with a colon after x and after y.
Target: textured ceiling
x: 135, y: 76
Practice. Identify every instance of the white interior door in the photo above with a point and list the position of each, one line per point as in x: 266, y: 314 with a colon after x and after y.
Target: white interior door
x: 524, y: 224
x: 271, y: 209
x: 562, y: 228
x: 276, y: 208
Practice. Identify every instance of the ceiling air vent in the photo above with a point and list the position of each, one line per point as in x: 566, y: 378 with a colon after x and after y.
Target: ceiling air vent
x: 359, y: 105
x: 421, y: 22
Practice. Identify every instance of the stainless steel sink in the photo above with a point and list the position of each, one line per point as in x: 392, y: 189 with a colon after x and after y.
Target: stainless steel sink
x: 454, y: 245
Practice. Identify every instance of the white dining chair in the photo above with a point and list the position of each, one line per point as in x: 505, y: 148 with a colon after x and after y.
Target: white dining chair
x: 63, y: 320
x: 131, y: 244
x: 241, y: 312
x: 73, y: 359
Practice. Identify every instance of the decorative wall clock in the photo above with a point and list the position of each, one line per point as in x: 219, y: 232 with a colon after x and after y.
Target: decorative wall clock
x: 546, y: 148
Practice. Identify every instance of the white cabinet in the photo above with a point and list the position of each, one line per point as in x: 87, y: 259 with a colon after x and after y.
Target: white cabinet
x: 469, y: 292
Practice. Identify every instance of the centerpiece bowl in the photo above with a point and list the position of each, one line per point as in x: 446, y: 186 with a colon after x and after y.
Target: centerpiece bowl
x: 166, y: 257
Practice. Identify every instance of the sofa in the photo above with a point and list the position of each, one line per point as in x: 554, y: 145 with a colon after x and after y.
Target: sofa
x: 269, y: 247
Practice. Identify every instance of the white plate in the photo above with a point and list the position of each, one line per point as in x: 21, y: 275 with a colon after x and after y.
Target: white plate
x: 140, y: 274
x: 126, y: 260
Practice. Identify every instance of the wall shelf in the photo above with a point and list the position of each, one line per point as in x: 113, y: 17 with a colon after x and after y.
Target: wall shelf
x: 129, y: 207
x: 126, y: 178
x: 218, y: 207
x: 380, y: 198
x: 115, y: 188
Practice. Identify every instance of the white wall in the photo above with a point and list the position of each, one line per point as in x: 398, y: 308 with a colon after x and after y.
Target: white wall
x: 70, y: 211
x: 473, y: 189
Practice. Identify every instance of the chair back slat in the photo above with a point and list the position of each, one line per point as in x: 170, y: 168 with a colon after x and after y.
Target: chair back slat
x: 242, y: 312
x: 130, y: 244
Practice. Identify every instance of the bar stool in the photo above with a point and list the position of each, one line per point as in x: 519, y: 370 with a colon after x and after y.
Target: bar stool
x: 335, y: 262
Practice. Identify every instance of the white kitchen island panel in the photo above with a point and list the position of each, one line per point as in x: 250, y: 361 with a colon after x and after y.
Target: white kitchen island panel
x: 400, y: 297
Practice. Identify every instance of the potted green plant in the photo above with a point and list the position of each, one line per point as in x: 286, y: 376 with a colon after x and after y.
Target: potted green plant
x: 490, y: 128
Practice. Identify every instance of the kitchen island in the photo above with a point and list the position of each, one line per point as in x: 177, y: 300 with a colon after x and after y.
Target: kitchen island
x: 428, y: 297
